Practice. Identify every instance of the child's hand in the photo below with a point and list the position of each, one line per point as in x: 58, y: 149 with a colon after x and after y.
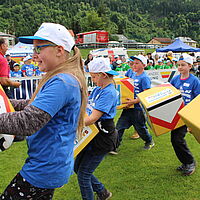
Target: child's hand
x: 129, y: 103
x: 189, y: 129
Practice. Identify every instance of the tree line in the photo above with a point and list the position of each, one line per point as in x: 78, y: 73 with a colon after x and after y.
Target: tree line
x: 140, y: 20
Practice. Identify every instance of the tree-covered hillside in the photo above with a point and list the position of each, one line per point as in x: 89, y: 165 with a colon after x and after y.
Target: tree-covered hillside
x: 137, y: 19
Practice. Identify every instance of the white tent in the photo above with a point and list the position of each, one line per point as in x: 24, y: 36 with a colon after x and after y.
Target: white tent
x: 21, y: 50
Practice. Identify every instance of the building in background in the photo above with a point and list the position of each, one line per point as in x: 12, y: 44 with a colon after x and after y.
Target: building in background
x: 188, y: 41
x: 163, y: 41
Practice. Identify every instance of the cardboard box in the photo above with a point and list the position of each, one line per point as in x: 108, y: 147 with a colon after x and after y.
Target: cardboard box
x: 89, y: 132
x: 125, y: 88
x: 5, y: 106
x: 190, y: 115
x: 161, y: 106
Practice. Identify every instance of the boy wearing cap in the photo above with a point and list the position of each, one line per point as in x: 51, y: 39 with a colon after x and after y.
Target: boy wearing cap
x: 16, y: 71
x: 28, y: 69
x: 101, y: 111
x: 134, y: 116
x: 51, y: 118
x: 189, y: 86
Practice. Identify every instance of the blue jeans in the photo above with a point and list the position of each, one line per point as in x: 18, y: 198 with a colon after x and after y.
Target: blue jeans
x: 85, y: 164
x: 133, y: 117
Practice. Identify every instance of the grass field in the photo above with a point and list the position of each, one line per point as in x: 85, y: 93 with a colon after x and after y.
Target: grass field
x: 133, y: 174
x: 85, y: 52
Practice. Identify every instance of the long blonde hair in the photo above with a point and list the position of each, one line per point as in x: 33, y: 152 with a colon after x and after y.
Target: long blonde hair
x: 73, y: 66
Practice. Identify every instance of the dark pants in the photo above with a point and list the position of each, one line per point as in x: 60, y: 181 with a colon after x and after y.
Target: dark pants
x: 85, y: 164
x: 180, y: 146
x: 8, y: 92
x: 133, y: 117
x: 20, y: 189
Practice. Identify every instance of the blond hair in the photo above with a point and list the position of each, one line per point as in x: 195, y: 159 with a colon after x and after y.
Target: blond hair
x: 73, y: 66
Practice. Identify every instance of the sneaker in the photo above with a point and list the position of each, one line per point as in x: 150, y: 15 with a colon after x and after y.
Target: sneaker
x: 181, y: 167
x: 104, y: 195
x: 113, y: 152
x: 19, y: 138
x: 189, y: 169
x: 135, y: 136
x: 149, y: 145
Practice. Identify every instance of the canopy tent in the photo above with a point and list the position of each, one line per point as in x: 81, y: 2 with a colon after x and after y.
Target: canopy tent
x: 178, y: 46
x: 20, y: 50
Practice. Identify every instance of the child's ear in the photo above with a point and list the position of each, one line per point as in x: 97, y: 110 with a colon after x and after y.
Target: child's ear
x: 190, y: 66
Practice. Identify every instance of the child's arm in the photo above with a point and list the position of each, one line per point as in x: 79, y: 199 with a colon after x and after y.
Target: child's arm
x: 130, y: 102
x: 19, y: 104
x: 96, y: 114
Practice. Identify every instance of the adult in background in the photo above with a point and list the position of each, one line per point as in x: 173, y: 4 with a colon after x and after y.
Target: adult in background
x: 5, y: 69
x: 51, y: 118
x: 149, y: 57
x: 89, y: 58
x: 10, y: 61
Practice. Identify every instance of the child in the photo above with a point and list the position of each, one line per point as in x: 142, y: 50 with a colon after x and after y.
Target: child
x: 150, y: 65
x: 189, y: 87
x: 16, y: 71
x: 51, y: 118
x: 130, y: 73
x: 28, y: 69
x: 168, y: 64
x: 134, y: 116
x: 159, y: 65
x: 101, y: 109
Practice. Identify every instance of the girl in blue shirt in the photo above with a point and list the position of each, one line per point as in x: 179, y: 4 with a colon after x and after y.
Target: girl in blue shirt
x: 101, y: 110
x: 189, y: 86
x: 51, y: 118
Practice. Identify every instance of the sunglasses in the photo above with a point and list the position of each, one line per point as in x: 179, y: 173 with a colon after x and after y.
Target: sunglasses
x: 38, y: 49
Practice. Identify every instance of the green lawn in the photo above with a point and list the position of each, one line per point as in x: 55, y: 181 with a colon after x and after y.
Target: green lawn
x: 133, y: 174
x: 85, y: 52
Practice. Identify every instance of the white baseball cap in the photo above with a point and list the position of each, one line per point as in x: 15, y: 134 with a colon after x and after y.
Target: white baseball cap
x: 27, y: 58
x: 119, y: 62
x: 187, y: 58
x: 54, y: 33
x: 100, y: 64
x: 141, y: 58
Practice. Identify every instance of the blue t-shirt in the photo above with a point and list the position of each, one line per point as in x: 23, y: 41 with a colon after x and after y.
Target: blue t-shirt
x: 28, y: 69
x: 189, y: 88
x: 130, y: 73
x: 141, y: 82
x: 104, y: 100
x: 16, y: 74
x: 50, y: 150
x: 38, y: 72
